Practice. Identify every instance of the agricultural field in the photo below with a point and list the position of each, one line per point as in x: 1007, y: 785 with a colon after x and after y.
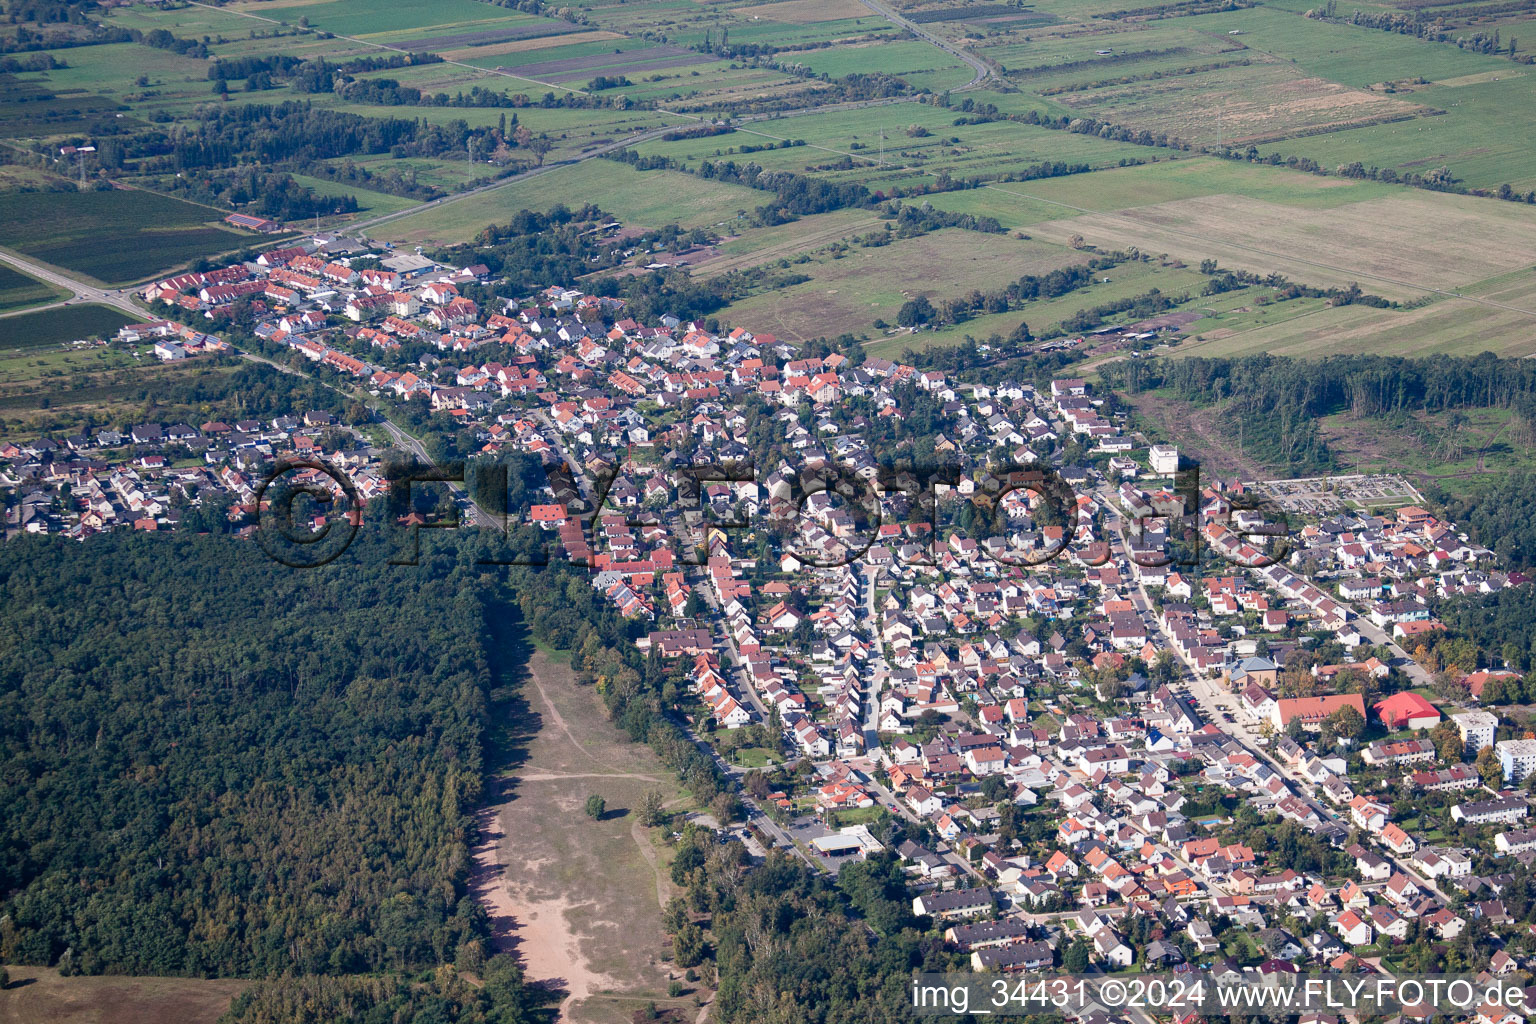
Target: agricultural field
x: 35, y: 338
x: 114, y: 237
x: 1406, y: 245
x: 755, y: 246
x: 847, y: 292
x: 1451, y: 326
x: 1266, y: 76
x: 640, y: 199
x: 18, y: 291
x: 1480, y: 137
x: 920, y: 143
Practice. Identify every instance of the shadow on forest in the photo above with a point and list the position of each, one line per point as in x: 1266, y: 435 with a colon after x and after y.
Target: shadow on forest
x: 513, y: 725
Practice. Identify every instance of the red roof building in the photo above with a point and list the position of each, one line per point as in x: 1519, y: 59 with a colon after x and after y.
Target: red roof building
x: 1406, y: 711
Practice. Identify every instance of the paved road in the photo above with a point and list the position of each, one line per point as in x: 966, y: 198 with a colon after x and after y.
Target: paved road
x: 872, y: 695
x: 83, y: 293
x: 557, y: 441
x: 982, y: 70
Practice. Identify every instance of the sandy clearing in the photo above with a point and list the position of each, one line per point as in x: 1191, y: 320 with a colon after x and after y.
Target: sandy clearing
x: 524, y: 45
x: 558, y: 719
x: 536, y: 929
x: 578, y: 902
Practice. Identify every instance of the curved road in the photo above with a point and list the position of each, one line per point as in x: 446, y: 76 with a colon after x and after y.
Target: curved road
x: 980, y: 67
x: 83, y: 293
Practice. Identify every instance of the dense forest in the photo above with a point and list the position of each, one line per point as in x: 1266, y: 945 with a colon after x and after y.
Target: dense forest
x: 214, y: 765
x: 1502, y: 624
x: 1498, y: 514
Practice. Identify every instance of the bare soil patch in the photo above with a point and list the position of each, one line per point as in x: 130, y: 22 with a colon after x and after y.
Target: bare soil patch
x: 578, y: 901
x: 1199, y: 433
x: 38, y: 994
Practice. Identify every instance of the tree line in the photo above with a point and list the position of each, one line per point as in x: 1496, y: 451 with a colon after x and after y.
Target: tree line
x: 1277, y: 401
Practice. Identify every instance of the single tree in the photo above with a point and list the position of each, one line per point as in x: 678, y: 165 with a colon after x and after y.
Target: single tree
x: 688, y: 945
x: 596, y: 805
x: 1489, y: 769
x: 651, y: 811
x: 1347, y: 722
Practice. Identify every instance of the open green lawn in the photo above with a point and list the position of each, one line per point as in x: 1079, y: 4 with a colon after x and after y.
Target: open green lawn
x: 368, y: 201
x: 892, y: 58
x: 116, y: 237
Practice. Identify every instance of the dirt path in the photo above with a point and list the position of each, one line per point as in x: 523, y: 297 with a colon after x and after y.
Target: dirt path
x: 557, y: 718
x: 643, y: 841
x: 543, y: 776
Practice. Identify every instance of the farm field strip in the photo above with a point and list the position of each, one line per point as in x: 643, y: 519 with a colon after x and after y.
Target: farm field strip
x: 115, y: 237
x: 1212, y: 226
x: 1447, y: 326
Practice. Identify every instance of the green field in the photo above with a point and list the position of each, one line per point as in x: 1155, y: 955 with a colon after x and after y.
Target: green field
x: 1481, y: 137
x: 58, y: 326
x: 847, y: 294
x: 645, y: 199
x: 18, y: 290
x: 115, y: 237
x: 368, y: 201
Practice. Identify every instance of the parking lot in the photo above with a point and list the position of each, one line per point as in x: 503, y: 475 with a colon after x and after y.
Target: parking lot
x: 1326, y: 495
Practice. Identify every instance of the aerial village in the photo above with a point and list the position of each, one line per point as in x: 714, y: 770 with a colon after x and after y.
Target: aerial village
x: 1125, y: 730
